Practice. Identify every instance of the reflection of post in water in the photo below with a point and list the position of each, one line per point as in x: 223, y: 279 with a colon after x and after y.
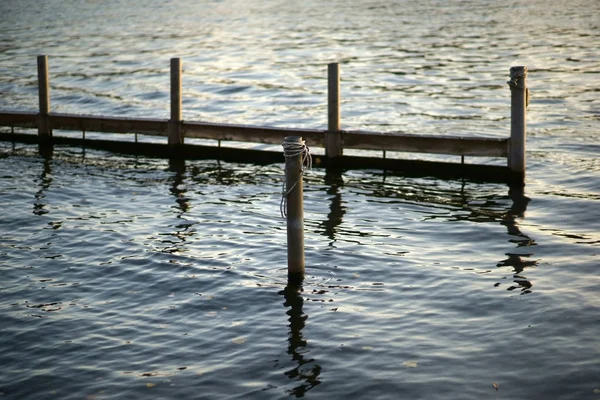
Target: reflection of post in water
x: 307, y: 371
x: 518, y: 261
x: 45, y: 179
x: 517, y: 210
x: 184, y: 229
x: 334, y: 179
x: 178, y: 167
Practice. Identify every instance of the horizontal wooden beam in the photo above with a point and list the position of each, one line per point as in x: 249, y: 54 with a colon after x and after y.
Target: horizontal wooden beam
x: 433, y: 144
x: 449, y: 170
x: 19, y: 119
x: 248, y: 133
x: 361, y: 140
x: 89, y: 123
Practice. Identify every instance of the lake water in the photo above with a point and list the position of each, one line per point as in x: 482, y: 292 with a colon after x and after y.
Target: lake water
x: 132, y: 278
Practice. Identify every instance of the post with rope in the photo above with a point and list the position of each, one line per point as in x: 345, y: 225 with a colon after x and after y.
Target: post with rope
x: 518, y: 112
x: 297, y: 159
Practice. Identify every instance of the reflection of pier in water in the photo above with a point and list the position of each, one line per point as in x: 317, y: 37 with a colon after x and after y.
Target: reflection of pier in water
x: 177, y: 166
x: 415, y: 193
x: 184, y: 230
x: 518, y: 261
x: 45, y: 179
x: 447, y: 198
x: 307, y: 371
x: 335, y: 181
x: 198, y: 177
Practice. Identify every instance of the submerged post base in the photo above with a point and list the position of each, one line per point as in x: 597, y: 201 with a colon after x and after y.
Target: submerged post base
x: 516, y: 179
x: 295, y: 278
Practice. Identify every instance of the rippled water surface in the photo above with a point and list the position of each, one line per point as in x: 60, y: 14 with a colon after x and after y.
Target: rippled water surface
x: 127, y: 277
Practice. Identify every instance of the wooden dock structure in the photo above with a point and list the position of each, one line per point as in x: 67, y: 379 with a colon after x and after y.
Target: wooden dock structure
x: 333, y: 139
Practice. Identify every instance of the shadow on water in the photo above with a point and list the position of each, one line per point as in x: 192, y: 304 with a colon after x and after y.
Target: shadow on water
x: 45, y: 180
x: 334, y: 180
x: 307, y: 371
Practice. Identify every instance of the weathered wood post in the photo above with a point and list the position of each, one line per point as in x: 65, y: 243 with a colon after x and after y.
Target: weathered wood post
x: 294, y: 151
x: 175, y: 123
x: 333, y: 140
x: 43, y: 121
x: 518, y: 131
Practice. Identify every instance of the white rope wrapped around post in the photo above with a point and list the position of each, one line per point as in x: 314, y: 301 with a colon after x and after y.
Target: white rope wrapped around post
x: 297, y: 160
x: 294, y: 146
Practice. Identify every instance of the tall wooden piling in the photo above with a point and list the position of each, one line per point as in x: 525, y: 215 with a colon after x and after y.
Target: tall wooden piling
x: 294, y: 193
x: 175, y: 123
x: 43, y: 122
x: 333, y: 141
x: 518, y: 113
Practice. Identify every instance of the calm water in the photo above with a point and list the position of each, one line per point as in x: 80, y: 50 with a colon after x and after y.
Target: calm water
x: 127, y: 277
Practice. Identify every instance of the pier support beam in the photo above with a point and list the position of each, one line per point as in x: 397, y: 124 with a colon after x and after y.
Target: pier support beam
x: 43, y: 121
x: 518, y: 131
x: 293, y: 150
x: 333, y: 140
x: 175, y: 123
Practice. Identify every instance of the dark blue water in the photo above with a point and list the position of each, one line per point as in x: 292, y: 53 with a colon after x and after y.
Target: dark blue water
x: 127, y: 277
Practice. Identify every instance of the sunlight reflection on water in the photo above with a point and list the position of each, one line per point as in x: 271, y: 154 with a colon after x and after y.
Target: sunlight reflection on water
x: 127, y: 277
x: 173, y: 274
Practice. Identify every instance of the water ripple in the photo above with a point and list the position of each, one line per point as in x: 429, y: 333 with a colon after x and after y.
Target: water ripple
x: 142, y: 278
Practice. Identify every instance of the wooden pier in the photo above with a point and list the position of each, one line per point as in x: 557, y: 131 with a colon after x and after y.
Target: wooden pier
x: 333, y: 139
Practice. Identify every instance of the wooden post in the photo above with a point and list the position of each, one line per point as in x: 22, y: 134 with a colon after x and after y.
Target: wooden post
x: 295, y: 207
x: 518, y: 113
x: 175, y: 123
x: 43, y: 122
x: 333, y: 141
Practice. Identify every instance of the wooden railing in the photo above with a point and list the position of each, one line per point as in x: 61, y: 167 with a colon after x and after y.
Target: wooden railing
x: 334, y: 140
